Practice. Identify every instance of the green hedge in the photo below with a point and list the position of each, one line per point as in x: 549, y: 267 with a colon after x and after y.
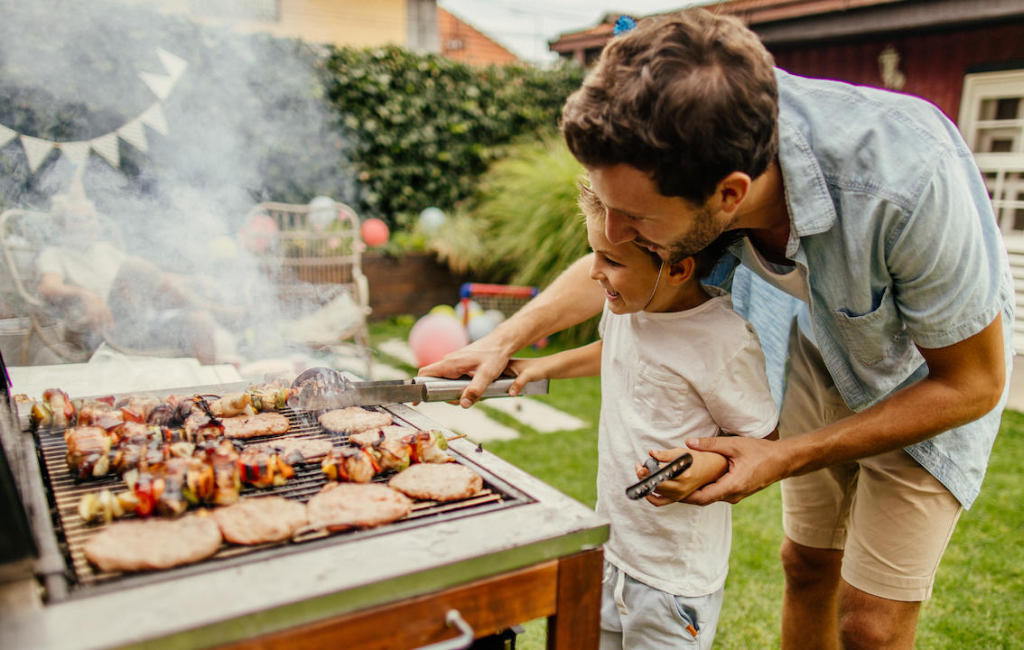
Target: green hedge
x: 426, y: 127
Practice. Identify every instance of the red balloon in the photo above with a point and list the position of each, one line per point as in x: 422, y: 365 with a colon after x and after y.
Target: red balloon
x: 434, y: 336
x: 375, y: 232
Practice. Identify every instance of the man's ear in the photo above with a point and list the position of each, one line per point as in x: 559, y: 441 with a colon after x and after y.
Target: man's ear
x: 680, y: 272
x: 731, y: 191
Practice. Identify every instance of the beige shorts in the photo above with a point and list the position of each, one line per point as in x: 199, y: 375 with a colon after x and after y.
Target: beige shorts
x: 890, y: 516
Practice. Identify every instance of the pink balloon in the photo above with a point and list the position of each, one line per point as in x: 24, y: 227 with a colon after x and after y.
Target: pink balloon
x: 259, y: 233
x: 375, y: 232
x: 434, y: 336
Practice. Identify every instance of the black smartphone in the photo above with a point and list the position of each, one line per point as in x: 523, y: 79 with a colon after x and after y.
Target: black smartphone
x: 647, y: 485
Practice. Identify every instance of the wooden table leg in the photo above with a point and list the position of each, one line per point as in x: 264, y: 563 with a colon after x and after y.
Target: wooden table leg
x: 576, y: 624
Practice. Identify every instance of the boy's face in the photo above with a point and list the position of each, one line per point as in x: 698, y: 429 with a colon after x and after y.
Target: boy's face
x: 626, y: 272
x: 668, y: 225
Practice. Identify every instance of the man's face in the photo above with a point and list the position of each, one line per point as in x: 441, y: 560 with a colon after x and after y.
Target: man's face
x: 668, y: 225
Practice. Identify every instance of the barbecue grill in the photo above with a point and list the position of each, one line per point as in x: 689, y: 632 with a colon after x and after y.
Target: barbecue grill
x: 520, y: 550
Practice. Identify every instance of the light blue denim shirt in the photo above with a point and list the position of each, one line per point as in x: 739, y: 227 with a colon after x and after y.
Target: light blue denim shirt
x: 893, y: 229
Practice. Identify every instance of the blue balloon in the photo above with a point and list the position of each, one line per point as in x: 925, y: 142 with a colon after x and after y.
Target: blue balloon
x: 431, y: 219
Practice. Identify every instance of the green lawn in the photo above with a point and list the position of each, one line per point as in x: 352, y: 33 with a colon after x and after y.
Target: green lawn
x: 978, y: 601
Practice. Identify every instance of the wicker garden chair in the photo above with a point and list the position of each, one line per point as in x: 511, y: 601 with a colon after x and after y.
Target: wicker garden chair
x: 315, y: 255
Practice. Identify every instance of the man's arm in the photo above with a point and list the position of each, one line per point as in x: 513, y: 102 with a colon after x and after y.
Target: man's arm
x: 571, y: 299
x: 53, y: 289
x: 964, y: 382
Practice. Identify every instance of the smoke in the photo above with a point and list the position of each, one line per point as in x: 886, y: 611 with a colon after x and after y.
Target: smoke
x: 245, y: 122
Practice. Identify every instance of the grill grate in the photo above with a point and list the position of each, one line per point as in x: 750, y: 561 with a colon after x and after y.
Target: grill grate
x: 73, y: 533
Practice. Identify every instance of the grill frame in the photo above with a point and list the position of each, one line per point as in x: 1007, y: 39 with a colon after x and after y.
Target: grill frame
x: 322, y: 582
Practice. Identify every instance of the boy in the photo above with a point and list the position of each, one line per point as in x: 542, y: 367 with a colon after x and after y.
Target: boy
x: 677, y: 363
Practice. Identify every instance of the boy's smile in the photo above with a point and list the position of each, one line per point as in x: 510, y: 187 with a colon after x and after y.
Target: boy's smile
x: 628, y: 274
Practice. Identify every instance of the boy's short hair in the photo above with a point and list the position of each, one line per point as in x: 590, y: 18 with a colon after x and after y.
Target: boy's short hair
x: 689, y: 97
x: 704, y: 260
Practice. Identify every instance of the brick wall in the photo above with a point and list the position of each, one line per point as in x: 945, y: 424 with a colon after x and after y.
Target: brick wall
x: 410, y: 285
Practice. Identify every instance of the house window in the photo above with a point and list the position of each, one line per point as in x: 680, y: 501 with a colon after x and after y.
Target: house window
x: 992, y: 122
x: 263, y: 10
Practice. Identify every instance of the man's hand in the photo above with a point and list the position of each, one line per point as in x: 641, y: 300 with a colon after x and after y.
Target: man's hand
x: 754, y: 464
x: 482, y: 360
x: 97, y: 313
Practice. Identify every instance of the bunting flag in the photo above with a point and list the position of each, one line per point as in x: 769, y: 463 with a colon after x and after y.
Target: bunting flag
x: 175, y: 65
x: 106, y: 146
x: 160, y: 84
x: 37, y: 149
x: 154, y: 119
x: 6, y: 135
x: 76, y: 152
x: 135, y: 135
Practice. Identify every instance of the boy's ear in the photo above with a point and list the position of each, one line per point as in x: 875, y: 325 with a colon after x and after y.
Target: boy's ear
x: 681, y: 271
x: 731, y: 191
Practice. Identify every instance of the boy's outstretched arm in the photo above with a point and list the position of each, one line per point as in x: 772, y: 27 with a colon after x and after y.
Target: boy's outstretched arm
x: 578, y: 362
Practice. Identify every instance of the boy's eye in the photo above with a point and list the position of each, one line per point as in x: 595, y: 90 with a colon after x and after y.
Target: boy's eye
x: 612, y: 262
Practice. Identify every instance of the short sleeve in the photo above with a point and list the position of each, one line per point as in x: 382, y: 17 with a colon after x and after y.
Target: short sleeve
x: 740, y: 400
x: 49, y: 261
x: 947, y: 260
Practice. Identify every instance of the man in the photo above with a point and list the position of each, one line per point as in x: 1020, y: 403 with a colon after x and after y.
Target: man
x: 124, y: 298
x: 867, y: 208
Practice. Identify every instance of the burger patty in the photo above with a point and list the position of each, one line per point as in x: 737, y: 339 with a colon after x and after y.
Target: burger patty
x: 142, y: 545
x: 260, y: 520
x: 339, y: 506
x: 370, y: 436
x: 353, y: 420
x: 297, y: 450
x: 259, y: 424
x: 433, y: 482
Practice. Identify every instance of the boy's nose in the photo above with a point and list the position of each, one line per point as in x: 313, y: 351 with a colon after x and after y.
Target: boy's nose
x: 618, y: 229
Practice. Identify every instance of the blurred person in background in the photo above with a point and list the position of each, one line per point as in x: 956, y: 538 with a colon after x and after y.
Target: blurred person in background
x: 125, y: 299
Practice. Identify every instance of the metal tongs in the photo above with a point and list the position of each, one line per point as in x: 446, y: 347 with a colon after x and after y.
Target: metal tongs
x: 325, y: 388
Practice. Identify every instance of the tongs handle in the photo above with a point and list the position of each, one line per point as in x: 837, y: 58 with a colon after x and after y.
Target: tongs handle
x: 440, y: 389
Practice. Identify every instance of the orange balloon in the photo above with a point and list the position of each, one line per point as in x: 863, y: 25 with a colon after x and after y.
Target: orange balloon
x: 375, y: 232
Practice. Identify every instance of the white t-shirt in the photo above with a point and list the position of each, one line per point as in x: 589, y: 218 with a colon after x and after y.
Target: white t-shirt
x: 93, y: 268
x: 666, y: 377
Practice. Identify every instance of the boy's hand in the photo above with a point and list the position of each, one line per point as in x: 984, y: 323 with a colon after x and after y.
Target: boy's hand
x: 525, y: 371
x: 706, y: 467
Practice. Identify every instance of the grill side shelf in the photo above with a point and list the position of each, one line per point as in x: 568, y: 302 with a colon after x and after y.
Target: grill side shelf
x: 64, y: 493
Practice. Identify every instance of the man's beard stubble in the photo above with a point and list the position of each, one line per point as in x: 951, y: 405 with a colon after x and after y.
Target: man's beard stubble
x: 704, y: 231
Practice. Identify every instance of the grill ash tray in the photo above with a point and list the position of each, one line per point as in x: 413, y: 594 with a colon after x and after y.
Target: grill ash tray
x: 73, y: 533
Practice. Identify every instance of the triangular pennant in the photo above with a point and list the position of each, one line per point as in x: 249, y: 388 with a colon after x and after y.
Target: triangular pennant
x: 36, y: 150
x: 106, y: 146
x: 76, y: 152
x: 154, y: 119
x: 175, y: 65
x: 6, y: 135
x: 135, y: 135
x: 158, y: 83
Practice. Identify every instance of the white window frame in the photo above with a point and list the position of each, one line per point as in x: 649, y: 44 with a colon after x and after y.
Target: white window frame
x: 1004, y: 166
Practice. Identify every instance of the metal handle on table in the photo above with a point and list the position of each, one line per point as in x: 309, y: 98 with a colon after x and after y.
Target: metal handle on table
x: 447, y: 390
x: 465, y: 639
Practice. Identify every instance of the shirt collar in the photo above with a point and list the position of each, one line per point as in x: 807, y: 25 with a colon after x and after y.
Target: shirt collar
x: 811, y: 210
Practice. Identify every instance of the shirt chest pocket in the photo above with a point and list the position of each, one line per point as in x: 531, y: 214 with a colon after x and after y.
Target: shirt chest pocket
x: 877, y: 336
x: 660, y: 397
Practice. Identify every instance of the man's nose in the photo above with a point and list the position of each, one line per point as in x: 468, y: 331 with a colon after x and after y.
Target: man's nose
x: 617, y: 228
